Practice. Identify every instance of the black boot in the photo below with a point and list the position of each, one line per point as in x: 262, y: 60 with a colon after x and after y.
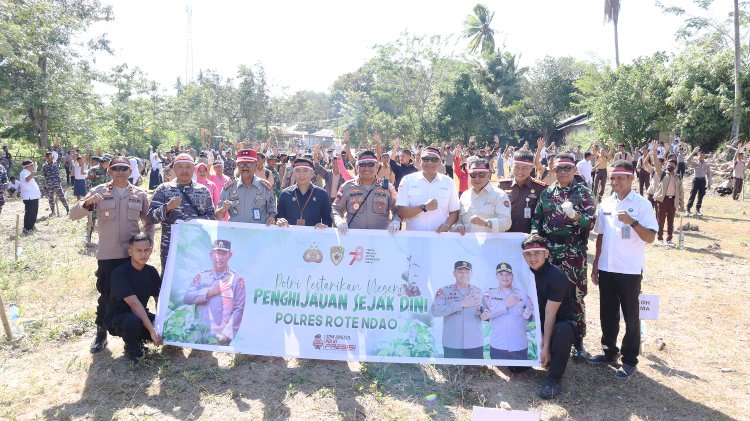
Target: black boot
x: 579, y: 352
x: 100, y: 342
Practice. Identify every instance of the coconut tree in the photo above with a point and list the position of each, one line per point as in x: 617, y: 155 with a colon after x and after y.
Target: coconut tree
x: 477, y: 29
x: 612, y: 14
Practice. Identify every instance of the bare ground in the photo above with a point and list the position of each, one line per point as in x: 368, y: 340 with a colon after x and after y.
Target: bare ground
x: 700, y: 374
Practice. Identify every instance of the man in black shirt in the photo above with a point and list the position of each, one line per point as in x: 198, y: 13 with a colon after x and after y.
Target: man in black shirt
x: 555, y: 311
x: 405, y: 166
x: 304, y: 203
x: 133, y: 284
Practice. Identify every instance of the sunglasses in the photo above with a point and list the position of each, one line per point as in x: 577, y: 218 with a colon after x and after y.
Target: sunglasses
x: 431, y: 159
x: 119, y: 169
x: 563, y: 168
x: 478, y: 175
x: 367, y: 164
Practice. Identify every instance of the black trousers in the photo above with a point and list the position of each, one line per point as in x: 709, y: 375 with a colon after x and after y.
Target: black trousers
x: 644, y: 180
x: 474, y: 353
x: 681, y: 168
x: 130, y: 328
x: 449, y: 171
x: 103, y: 285
x: 616, y: 291
x: 564, y: 334
x: 699, y: 187
x: 30, y: 212
x: 501, y: 354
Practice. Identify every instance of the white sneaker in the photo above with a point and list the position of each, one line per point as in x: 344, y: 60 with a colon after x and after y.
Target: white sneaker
x: 698, y: 213
x: 670, y: 243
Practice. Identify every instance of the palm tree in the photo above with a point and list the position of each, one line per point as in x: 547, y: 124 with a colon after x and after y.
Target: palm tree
x: 502, y: 76
x: 477, y: 29
x: 612, y: 14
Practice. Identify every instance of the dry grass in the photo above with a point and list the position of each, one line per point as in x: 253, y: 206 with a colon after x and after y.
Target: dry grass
x: 50, y: 374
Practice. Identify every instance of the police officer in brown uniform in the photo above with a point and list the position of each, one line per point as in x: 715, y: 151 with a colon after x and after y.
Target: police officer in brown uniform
x: 120, y: 207
x: 365, y: 202
x: 459, y: 306
x: 523, y: 190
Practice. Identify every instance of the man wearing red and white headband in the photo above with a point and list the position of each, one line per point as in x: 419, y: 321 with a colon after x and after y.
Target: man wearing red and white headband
x: 181, y: 199
x: 365, y: 203
x: 247, y: 199
x: 523, y: 191
x: 625, y: 223
x: 428, y: 201
x: 484, y: 207
x: 564, y: 216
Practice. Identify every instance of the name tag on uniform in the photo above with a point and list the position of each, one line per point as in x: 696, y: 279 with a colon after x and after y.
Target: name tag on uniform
x: 626, y: 233
x: 256, y: 214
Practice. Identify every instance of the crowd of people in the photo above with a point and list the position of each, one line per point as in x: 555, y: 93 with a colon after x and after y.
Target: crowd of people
x: 557, y: 198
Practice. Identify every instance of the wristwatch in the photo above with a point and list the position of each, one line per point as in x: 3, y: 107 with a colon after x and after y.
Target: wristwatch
x: 423, y: 208
x: 635, y: 223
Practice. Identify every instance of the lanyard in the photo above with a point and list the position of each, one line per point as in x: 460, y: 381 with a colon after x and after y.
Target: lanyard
x: 302, y: 209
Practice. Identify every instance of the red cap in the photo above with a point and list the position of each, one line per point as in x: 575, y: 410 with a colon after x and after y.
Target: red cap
x: 247, y: 155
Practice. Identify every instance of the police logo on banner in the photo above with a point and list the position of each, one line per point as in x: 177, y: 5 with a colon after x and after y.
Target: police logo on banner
x: 337, y: 254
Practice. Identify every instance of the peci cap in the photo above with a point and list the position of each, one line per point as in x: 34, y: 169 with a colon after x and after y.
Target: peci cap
x: 504, y: 267
x: 222, y: 245
x: 462, y: 264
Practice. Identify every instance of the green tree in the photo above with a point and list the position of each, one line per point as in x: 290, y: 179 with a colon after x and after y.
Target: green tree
x: 38, y: 45
x: 477, y: 28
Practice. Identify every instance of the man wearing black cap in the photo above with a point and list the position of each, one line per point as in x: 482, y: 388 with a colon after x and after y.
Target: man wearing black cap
x: 119, y: 207
x: 365, y: 202
x: 508, y: 309
x: 559, y: 331
x: 133, y: 284
x: 219, y: 295
x: 523, y: 191
x: 304, y: 204
x: 459, y: 305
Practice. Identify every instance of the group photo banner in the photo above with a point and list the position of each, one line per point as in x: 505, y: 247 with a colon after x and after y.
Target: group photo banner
x: 412, y: 297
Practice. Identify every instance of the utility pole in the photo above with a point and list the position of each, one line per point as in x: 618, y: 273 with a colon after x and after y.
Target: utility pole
x: 189, y: 46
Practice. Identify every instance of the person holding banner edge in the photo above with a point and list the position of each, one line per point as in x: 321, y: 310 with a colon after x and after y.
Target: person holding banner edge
x: 459, y: 305
x: 133, y: 283
x: 559, y: 329
x: 624, y: 225
x: 484, y: 207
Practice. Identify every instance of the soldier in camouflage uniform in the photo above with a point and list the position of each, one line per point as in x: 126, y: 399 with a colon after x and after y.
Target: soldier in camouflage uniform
x: 3, y: 186
x: 564, y: 216
x: 53, y: 183
x: 229, y: 165
x: 179, y: 199
x: 98, y: 174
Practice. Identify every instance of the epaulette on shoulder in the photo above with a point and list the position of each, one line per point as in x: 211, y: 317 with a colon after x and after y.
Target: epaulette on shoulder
x: 540, y: 182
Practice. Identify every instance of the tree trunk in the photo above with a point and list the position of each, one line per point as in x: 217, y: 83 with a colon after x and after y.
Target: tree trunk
x: 737, y: 93
x: 617, y: 44
x: 43, y: 112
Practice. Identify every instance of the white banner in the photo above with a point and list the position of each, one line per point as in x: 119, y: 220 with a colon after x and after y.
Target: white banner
x: 366, y: 296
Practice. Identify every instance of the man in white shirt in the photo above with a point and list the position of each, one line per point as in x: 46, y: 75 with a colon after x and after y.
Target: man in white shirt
x: 427, y: 200
x: 585, y: 168
x: 624, y: 225
x: 30, y: 194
